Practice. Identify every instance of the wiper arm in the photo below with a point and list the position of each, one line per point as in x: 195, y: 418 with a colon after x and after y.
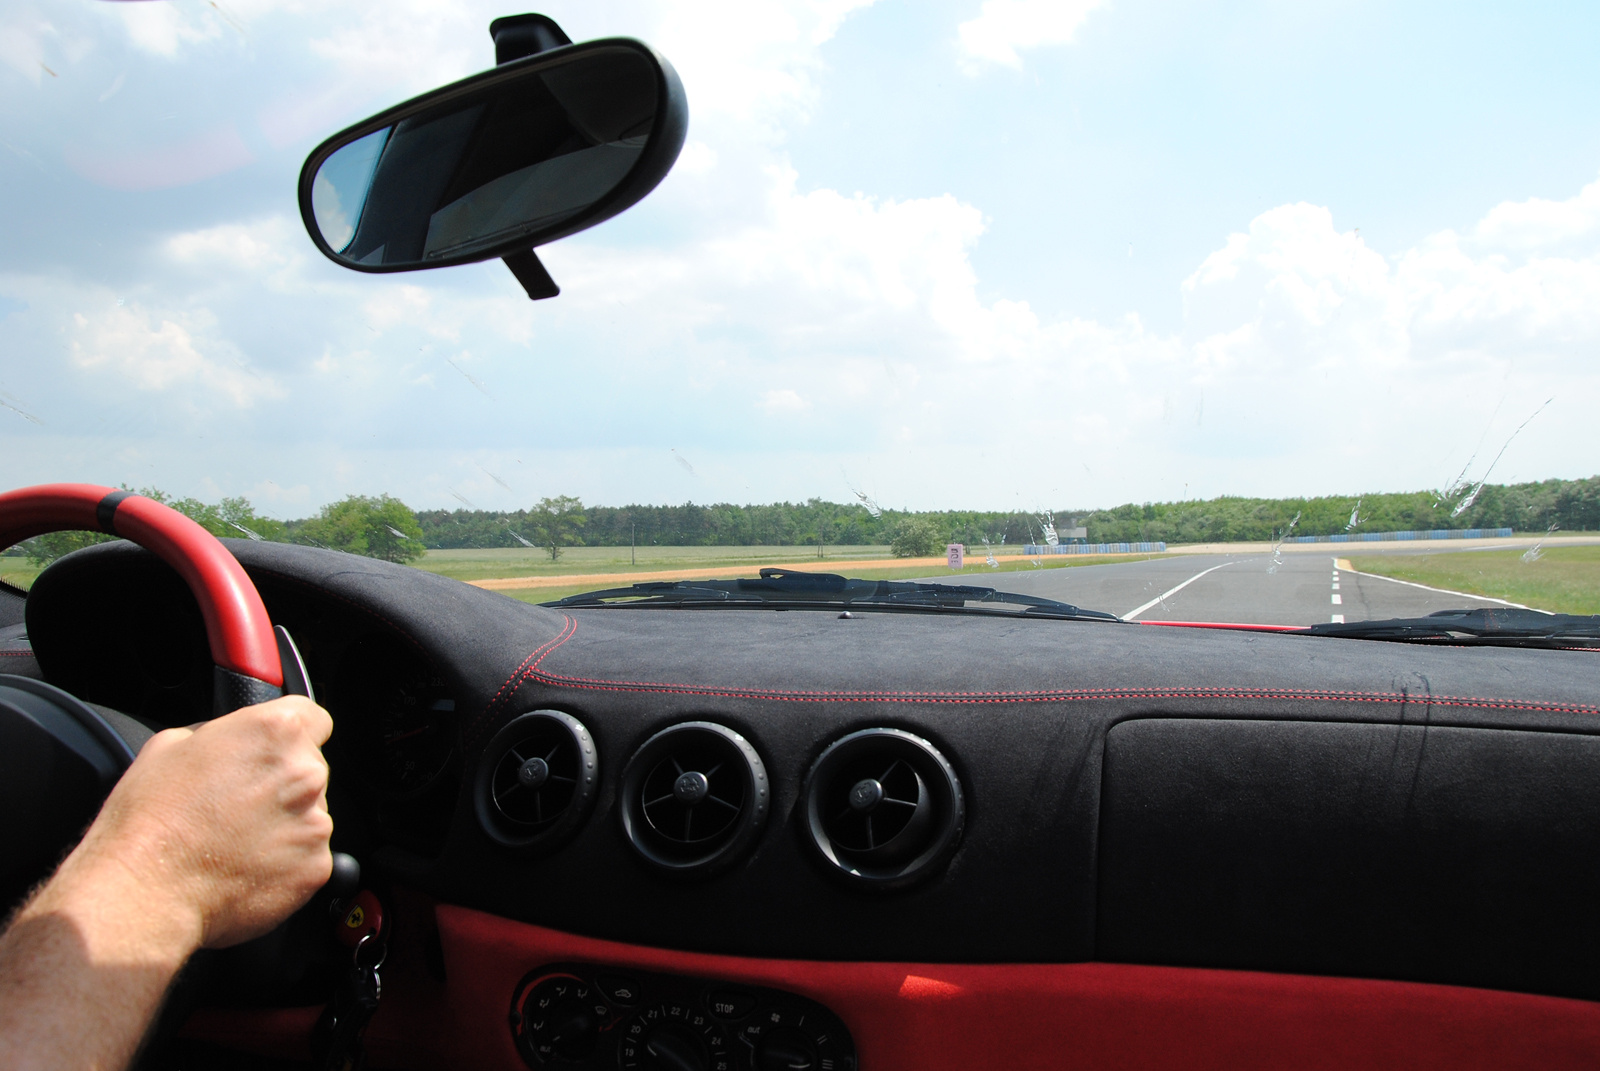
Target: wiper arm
x: 792, y: 588
x: 1501, y: 627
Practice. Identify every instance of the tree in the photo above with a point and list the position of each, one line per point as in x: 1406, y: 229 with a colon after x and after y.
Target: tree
x: 44, y: 549
x: 233, y: 517
x: 382, y: 527
x: 556, y: 522
x: 915, y: 537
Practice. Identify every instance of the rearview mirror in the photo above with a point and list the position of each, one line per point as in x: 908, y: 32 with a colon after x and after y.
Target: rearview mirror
x: 498, y: 163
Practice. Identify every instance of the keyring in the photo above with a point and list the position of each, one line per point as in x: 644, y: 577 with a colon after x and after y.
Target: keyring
x: 383, y: 952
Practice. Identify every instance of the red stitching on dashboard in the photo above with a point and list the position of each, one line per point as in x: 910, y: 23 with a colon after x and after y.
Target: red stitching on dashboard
x: 529, y: 670
x: 526, y: 669
x: 1046, y: 695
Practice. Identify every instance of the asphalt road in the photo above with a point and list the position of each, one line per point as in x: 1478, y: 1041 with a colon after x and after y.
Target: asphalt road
x: 1297, y: 589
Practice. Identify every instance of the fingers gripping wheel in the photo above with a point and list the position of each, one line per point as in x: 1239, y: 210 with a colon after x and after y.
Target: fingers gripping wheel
x: 694, y: 797
x: 536, y: 781
x: 243, y: 645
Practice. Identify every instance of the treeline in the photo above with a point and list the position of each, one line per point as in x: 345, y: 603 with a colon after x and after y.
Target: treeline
x: 783, y: 524
x: 1570, y: 505
x: 385, y: 527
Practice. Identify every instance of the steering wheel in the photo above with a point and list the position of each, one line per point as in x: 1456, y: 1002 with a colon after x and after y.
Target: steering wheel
x: 60, y: 756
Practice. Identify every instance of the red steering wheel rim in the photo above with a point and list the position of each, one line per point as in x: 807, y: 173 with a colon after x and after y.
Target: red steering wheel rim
x: 237, y: 626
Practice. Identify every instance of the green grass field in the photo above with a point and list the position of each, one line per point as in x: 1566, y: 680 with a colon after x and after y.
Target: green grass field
x: 1563, y: 579
x: 487, y: 564
x: 18, y: 572
x: 972, y: 574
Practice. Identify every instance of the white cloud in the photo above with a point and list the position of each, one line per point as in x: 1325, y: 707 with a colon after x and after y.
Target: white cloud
x: 1306, y: 360
x: 1538, y: 222
x: 157, y: 353
x: 22, y: 49
x: 784, y: 400
x: 164, y: 28
x: 1004, y: 26
x: 270, y: 244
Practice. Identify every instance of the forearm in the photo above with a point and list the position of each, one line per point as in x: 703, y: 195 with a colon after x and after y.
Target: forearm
x: 84, y: 967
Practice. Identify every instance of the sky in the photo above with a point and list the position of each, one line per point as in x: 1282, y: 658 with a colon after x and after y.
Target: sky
x: 985, y: 254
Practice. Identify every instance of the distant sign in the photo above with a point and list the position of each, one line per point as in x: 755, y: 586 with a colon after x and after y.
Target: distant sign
x: 955, y: 554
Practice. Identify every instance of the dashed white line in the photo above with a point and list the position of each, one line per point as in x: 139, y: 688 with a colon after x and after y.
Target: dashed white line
x: 1135, y: 612
x: 1337, y: 600
x: 1338, y: 619
x: 1335, y: 585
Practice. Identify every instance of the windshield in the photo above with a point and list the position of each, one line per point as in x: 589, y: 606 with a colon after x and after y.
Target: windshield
x: 1206, y: 313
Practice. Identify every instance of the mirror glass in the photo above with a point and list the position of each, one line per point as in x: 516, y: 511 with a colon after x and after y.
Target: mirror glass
x: 513, y: 159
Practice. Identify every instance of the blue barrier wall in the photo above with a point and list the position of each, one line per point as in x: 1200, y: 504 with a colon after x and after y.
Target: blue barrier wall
x: 1379, y: 537
x: 1034, y: 549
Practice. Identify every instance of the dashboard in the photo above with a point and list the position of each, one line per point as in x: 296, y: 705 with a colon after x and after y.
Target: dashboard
x: 785, y: 809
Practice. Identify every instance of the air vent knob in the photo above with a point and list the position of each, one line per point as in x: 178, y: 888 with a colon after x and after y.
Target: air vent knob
x: 866, y: 795
x: 534, y: 772
x: 537, y: 780
x: 694, y: 797
x: 691, y: 787
x: 884, y: 807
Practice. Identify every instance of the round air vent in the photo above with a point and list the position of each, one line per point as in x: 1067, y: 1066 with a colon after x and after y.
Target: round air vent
x: 693, y: 797
x: 883, y: 807
x: 536, y: 780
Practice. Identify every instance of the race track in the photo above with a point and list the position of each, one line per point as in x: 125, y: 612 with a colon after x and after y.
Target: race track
x: 1297, y: 589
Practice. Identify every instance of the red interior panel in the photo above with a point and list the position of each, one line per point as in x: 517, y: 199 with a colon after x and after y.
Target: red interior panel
x: 916, y: 1017
x: 923, y: 1017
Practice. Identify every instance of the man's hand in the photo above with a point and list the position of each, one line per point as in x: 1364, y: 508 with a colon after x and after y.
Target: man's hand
x: 230, y: 818
x: 213, y: 836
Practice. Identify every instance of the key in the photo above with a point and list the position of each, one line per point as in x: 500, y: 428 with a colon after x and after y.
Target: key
x: 354, y: 1003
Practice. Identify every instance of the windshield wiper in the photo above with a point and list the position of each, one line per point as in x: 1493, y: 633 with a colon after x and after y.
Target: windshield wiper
x: 1492, y: 626
x: 788, y: 589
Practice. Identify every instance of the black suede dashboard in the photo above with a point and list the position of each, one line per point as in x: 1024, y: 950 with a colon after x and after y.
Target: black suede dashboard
x: 1140, y: 794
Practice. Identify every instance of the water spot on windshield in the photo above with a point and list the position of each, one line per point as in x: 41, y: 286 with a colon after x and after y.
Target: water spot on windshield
x: 1277, y: 544
x: 866, y: 500
x: 470, y: 378
x: 988, y: 554
x: 461, y: 498
x: 1355, y: 517
x: 1047, y: 527
x: 253, y: 535
x: 683, y: 463
x: 15, y: 406
x: 1535, y: 552
x: 1459, y: 489
x: 496, y: 479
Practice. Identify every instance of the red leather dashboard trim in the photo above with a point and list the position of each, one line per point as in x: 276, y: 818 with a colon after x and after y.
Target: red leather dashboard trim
x: 923, y: 1017
x: 237, y: 625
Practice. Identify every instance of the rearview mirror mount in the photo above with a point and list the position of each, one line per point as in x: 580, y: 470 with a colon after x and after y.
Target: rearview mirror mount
x: 555, y: 139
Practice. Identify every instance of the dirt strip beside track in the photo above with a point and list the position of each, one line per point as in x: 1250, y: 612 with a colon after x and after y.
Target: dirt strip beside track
x: 814, y: 565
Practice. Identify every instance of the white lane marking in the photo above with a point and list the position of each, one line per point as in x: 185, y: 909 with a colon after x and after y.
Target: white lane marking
x: 1337, y: 600
x: 1447, y: 591
x: 1335, y: 585
x: 1131, y: 614
x: 1338, y: 619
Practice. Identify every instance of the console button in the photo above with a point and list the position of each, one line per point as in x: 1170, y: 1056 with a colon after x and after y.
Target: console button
x: 620, y: 990
x: 731, y: 1003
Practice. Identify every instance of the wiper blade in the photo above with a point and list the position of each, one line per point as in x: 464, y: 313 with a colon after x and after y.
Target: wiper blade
x: 1497, y: 626
x: 790, y: 588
